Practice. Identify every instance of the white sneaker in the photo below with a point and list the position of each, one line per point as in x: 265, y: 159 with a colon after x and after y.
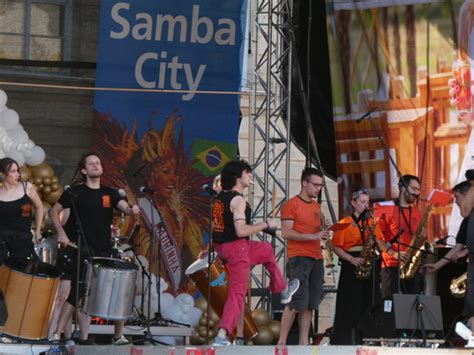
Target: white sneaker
x: 289, y: 291
x: 55, y: 337
x: 120, y: 341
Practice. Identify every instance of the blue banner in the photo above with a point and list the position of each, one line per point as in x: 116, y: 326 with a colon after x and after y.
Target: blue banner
x: 166, y: 134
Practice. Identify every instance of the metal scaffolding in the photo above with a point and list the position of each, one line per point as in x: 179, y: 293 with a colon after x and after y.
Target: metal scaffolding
x: 269, y: 132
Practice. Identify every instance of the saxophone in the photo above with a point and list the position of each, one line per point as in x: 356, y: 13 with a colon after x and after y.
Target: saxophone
x: 364, y: 271
x: 458, y: 286
x: 416, y: 251
x: 327, y: 246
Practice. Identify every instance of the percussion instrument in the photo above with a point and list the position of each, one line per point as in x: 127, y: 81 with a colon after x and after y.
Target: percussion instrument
x: 30, y: 289
x: 109, y: 288
x: 219, y: 279
x: 47, y: 250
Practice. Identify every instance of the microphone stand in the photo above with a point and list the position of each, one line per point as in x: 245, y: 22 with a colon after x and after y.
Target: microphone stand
x: 81, y: 238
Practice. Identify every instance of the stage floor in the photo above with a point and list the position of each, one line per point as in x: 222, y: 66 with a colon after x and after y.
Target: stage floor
x: 234, y: 350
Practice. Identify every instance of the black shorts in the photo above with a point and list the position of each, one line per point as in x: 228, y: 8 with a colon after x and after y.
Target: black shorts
x: 310, y: 272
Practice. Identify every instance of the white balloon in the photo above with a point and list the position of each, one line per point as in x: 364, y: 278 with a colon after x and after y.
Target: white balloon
x: 186, y: 308
x: 3, y: 98
x: 2, y: 154
x: 172, y: 312
x: 7, y: 144
x: 17, y: 156
x: 37, y: 156
x: 163, y: 285
x: 142, y: 285
x: 185, y: 299
x: 3, y: 132
x: 166, y: 300
x: 184, y: 318
x: 194, y: 316
x: 29, y: 144
x: 9, y: 119
x: 27, y: 153
x: 18, y: 135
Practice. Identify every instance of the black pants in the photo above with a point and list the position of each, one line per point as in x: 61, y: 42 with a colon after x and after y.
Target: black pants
x: 389, y: 277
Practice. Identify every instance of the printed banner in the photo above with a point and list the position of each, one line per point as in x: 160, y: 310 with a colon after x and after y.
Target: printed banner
x: 170, y: 137
x: 407, y: 64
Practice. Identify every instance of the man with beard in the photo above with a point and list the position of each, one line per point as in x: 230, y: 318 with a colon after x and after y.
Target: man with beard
x: 398, y: 230
x: 95, y: 204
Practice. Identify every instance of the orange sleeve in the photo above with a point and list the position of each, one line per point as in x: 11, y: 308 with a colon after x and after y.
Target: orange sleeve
x: 339, y: 236
x: 288, y: 211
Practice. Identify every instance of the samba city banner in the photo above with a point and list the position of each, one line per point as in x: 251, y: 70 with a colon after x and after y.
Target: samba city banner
x: 168, y: 124
x: 407, y: 65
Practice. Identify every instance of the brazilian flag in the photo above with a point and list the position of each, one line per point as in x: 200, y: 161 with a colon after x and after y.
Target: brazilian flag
x: 211, y: 156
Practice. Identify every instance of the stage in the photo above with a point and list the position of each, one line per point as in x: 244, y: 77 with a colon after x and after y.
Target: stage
x: 236, y: 350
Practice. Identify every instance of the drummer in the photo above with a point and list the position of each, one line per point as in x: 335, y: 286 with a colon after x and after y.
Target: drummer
x: 95, y: 204
x: 17, y: 200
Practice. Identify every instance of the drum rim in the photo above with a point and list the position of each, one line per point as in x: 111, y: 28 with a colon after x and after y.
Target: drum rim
x: 133, y: 268
x: 46, y: 276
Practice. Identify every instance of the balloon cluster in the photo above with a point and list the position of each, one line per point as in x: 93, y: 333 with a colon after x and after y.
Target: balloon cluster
x: 46, y: 183
x: 201, y: 327
x: 268, y: 329
x: 179, y: 309
x: 14, y: 141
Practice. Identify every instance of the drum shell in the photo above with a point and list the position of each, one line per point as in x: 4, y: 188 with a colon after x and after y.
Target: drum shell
x: 109, y: 288
x: 219, y: 287
x: 29, y: 297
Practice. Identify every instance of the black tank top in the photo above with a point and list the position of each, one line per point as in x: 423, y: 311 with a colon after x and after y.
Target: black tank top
x: 223, y: 218
x: 16, y: 215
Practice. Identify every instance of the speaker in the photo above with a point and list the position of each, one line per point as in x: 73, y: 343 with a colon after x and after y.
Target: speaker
x: 378, y: 321
x: 3, y: 310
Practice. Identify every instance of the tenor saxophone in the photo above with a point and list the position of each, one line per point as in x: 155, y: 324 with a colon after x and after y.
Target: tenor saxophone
x: 368, y: 253
x: 416, y: 251
x: 458, y: 286
x: 327, y: 246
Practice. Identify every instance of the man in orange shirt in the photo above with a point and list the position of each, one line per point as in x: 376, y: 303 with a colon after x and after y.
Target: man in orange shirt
x: 408, y: 217
x: 356, y: 293
x: 301, y: 226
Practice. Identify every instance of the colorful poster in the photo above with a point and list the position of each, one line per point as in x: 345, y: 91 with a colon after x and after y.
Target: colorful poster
x: 408, y: 64
x: 169, y: 124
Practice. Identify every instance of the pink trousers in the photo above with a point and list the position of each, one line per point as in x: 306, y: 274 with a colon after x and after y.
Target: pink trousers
x: 239, y: 257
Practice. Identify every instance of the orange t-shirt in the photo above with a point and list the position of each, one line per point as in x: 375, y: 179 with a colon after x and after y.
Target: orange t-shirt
x: 350, y: 236
x: 306, y: 217
x: 409, y: 222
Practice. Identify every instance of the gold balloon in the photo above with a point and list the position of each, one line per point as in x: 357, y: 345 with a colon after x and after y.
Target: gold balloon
x: 201, y: 303
x: 275, y: 327
x: 197, y: 340
x: 47, y: 181
x: 261, y: 316
x: 37, y: 181
x: 203, y: 321
x: 201, y: 330
x: 54, y: 196
x: 54, y: 186
x: 214, y: 316
x: 249, y: 342
x: 42, y: 170
x: 46, y: 190
x: 54, y: 180
x: 264, y: 336
x: 26, y: 173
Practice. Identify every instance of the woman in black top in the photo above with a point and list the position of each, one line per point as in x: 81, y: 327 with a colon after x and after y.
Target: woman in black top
x: 17, y: 200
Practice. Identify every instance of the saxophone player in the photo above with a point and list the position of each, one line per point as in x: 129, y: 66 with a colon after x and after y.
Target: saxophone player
x: 405, y: 221
x: 357, y: 290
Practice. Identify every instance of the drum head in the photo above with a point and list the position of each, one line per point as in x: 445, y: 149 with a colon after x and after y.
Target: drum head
x: 111, y: 263
x: 199, y: 264
x: 33, y: 267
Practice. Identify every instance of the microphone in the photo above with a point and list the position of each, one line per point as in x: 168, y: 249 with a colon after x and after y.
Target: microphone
x: 208, y: 188
x: 122, y: 194
x: 146, y: 190
x: 68, y: 189
x: 365, y: 115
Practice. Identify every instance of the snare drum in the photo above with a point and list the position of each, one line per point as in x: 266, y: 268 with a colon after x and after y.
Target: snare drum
x: 109, y: 288
x: 198, y: 272
x: 30, y: 289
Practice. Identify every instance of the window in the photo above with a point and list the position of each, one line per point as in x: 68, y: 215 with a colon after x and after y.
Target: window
x: 35, y: 29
